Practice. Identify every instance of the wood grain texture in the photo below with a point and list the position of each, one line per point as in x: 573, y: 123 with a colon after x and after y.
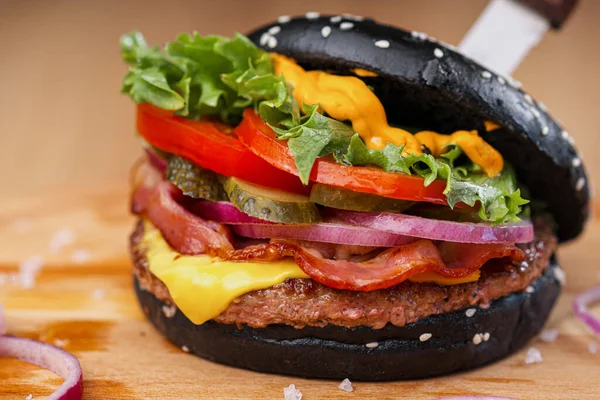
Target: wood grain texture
x: 92, y: 306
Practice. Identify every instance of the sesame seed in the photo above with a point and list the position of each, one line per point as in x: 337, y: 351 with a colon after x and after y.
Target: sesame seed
x: 501, y: 80
x: 272, y: 42
x: 274, y: 30
x: 549, y: 335
x: 545, y: 130
x: 580, y: 184
x: 560, y: 276
x: 530, y: 289
x: 422, y: 35
x: 533, y: 356
x: 571, y: 140
x: 382, y: 44
x: 514, y: 83
x: 593, y: 348
x: 336, y: 19
x: 185, y: 349
x: 528, y: 98
x: 284, y: 19
x: 470, y: 312
x: 372, y: 345
x: 346, y: 26
x: 326, y: 31
x: 576, y: 162
x: 438, y: 53
x: 264, y: 38
x: 542, y: 106
x: 564, y: 134
x: 524, y: 265
x: 352, y: 17
x: 486, y: 74
x: 535, y: 112
x: 169, y: 311
x: 486, y: 336
x: 477, y: 339
x: 312, y: 15
x: 425, y: 337
x: 346, y: 385
x: 415, y: 34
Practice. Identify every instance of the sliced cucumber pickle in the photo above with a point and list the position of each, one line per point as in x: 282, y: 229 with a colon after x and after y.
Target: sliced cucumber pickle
x: 346, y: 199
x: 194, y: 181
x: 271, y: 204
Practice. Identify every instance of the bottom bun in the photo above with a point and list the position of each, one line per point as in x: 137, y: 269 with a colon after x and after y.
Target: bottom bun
x: 362, y: 353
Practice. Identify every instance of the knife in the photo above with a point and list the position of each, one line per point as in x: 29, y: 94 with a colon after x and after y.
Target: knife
x: 507, y: 30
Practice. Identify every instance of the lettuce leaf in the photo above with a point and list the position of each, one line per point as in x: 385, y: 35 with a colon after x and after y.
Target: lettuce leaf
x: 499, y: 196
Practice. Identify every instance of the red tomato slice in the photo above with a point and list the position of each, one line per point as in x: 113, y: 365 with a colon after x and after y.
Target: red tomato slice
x: 258, y: 137
x: 211, y: 145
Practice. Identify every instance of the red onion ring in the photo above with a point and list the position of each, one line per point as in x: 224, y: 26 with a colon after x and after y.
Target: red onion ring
x: 580, y: 308
x: 157, y: 161
x: 326, y: 232
x: 48, y: 357
x: 434, y: 229
x: 330, y: 231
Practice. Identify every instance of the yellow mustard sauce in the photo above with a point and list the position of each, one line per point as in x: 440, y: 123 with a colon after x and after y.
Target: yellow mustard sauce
x: 347, y: 98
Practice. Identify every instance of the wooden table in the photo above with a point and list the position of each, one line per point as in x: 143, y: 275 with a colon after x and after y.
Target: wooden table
x: 89, y: 308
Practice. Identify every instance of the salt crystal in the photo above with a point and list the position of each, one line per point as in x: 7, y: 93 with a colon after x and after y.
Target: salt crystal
x: 533, y: 356
x: 29, y: 397
x: 549, y: 335
x: 291, y: 393
x: 346, y: 385
x: 185, y: 349
x: 80, y: 256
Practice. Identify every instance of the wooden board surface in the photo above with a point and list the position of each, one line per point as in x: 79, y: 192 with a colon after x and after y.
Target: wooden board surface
x: 90, y: 306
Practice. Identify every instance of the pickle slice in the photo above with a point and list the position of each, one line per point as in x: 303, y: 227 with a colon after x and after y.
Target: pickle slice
x: 346, y: 199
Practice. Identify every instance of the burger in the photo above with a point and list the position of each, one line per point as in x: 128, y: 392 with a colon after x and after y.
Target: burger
x: 330, y: 197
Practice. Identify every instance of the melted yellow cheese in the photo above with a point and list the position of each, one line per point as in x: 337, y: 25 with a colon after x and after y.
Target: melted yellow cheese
x: 432, y: 277
x: 203, y: 286
x: 347, y: 98
x: 364, y: 72
x: 491, y: 126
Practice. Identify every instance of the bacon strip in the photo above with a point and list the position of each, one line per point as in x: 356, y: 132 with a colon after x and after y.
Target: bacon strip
x: 160, y: 202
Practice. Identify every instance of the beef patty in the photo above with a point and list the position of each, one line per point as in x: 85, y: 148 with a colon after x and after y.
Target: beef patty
x: 303, y: 302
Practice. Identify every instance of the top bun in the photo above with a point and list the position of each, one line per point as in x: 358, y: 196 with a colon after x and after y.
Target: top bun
x: 427, y: 84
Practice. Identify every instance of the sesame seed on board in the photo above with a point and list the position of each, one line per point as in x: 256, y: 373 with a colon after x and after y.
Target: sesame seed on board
x: 312, y: 15
x: 326, y: 31
x: 284, y: 19
x: 438, y: 53
x: 382, y: 44
x: 346, y: 26
x: 425, y: 337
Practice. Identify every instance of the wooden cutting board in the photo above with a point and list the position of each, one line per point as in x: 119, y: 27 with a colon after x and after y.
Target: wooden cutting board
x: 83, y: 300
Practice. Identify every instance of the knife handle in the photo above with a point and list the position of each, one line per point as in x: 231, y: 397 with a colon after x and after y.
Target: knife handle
x: 555, y: 11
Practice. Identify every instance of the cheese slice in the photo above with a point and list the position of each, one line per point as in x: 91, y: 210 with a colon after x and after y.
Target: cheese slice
x: 202, y: 286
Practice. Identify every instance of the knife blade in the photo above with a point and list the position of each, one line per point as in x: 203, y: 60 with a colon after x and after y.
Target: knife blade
x: 507, y: 30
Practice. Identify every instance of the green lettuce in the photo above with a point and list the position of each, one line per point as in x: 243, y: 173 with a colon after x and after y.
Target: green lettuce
x: 213, y: 75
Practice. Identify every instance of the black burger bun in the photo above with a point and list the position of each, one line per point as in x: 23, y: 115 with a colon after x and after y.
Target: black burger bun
x: 427, y: 84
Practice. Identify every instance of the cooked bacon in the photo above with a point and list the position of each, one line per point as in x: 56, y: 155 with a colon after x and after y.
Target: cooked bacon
x: 355, y: 268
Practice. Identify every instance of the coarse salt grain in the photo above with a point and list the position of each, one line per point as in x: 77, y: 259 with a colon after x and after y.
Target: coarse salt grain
x: 185, y: 349
x: 425, y: 337
x: 382, y: 44
x: 534, y: 356
x: 169, y: 311
x: 549, y: 335
x: 291, y: 393
x: 593, y: 348
x: 61, y: 238
x: 326, y: 31
x: 470, y: 312
x: 372, y: 345
x: 346, y: 385
x: 80, y: 256
x: 29, y: 397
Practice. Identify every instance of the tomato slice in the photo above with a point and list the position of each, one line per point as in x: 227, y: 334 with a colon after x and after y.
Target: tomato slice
x: 258, y: 137
x: 211, y: 145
